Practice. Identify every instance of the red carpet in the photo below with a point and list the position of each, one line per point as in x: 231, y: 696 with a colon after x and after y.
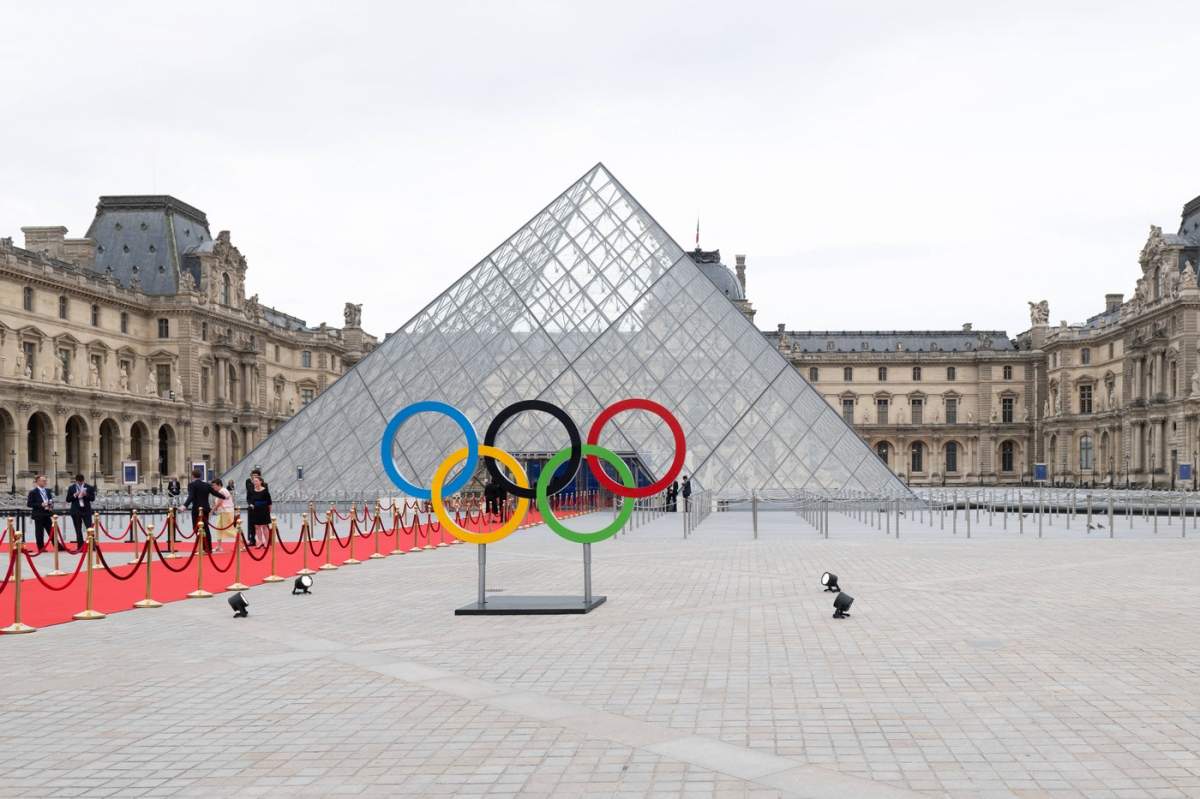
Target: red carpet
x: 54, y: 600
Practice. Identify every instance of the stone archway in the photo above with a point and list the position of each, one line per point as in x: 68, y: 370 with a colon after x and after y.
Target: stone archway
x: 39, y: 447
x: 78, y: 437
x: 110, y: 447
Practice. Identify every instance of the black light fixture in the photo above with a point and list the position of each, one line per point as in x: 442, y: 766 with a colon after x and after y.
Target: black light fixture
x: 302, y: 585
x: 841, y: 605
x: 829, y: 580
x: 239, y: 605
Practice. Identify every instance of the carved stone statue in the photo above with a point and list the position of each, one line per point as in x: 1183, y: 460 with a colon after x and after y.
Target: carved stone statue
x: 150, y: 386
x: 43, y: 374
x: 353, y: 314
x: 1173, y: 278
x: 1188, y: 279
x: 1039, y: 313
x: 20, y: 369
x: 1026, y: 416
x: 178, y: 387
x: 970, y: 417
x: 94, y: 374
x: 123, y: 380
x: 1196, y: 382
x: 58, y: 373
x: 252, y: 306
x: 1045, y: 409
x: 291, y: 407
x: 995, y: 416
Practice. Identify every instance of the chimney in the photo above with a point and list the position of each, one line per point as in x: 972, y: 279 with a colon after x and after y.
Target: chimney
x: 1112, y: 302
x: 966, y: 327
x: 45, y: 239
x: 740, y: 269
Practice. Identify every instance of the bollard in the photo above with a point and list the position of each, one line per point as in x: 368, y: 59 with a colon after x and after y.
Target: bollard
x: 1089, y: 513
x: 1148, y: 506
x: 954, y: 515
x: 1111, y: 528
x: 89, y: 613
x: 328, y: 565
x: 237, y: 584
x: 754, y: 511
x: 16, y: 554
x: 897, y: 519
x: 1021, y: 512
x: 274, y: 577
x: 148, y: 550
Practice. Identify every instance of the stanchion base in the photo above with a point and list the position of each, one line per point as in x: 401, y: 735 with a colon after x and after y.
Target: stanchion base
x: 305, y: 571
x: 89, y: 615
x: 399, y: 551
x: 377, y: 556
x: 273, y: 578
x: 414, y: 550
x: 56, y: 573
x: 237, y: 587
x: 147, y: 603
x: 443, y: 544
x: 530, y: 606
x: 17, y: 629
x: 199, y: 594
x: 351, y: 562
x: 428, y: 546
x: 326, y: 567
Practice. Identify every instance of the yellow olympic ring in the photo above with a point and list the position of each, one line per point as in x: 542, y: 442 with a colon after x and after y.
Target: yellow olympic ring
x: 439, y: 508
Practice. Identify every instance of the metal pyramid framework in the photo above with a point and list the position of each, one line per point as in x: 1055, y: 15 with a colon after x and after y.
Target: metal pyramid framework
x: 588, y: 303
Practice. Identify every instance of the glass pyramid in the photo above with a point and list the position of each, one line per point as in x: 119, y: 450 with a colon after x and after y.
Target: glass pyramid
x: 588, y: 303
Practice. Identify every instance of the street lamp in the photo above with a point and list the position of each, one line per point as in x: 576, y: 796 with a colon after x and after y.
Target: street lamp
x: 1127, y: 470
x: 13, y: 461
x: 1151, y: 471
x: 55, y: 471
x: 95, y: 471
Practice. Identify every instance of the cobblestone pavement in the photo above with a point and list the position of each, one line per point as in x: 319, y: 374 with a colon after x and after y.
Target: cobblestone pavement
x: 998, y: 666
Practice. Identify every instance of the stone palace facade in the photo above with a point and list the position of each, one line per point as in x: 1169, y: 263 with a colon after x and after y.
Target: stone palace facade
x: 1113, y: 400
x: 137, y: 343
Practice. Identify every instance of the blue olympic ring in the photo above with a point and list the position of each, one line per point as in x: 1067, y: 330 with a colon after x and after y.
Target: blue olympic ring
x: 389, y: 438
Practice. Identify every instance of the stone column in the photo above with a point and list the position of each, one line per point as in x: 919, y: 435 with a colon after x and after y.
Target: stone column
x: 216, y: 464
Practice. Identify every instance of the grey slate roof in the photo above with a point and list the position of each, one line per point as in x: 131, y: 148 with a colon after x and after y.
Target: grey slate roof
x: 149, y: 237
x: 895, y: 340
x: 709, y: 262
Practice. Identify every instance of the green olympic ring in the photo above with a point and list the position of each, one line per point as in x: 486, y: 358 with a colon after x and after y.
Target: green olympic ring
x: 543, y: 501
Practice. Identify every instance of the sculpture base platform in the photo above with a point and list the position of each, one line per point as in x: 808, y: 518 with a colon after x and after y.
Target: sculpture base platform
x: 530, y: 606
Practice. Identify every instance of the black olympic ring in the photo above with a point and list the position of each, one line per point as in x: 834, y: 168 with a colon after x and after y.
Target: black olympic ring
x: 563, y: 479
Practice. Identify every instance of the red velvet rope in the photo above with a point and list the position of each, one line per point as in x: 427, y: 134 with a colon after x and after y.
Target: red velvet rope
x: 8, y: 574
x: 228, y: 565
x: 45, y: 584
x: 250, y: 551
x: 334, y: 535
x: 315, y: 552
x: 299, y: 542
x: 166, y: 564
x: 115, y: 576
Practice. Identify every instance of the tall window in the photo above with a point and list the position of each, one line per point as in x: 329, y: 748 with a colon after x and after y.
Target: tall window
x: 164, y: 328
x: 952, y: 457
x: 1085, y: 398
x: 226, y: 290
x: 918, y: 457
x: 204, y: 377
x: 27, y: 298
x: 883, y: 451
x: 1085, y: 356
x: 321, y: 360
x: 163, y: 374
x: 951, y: 410
x: 848, y: 410
x: 276, y: 353
x: 1008, y: 373
x: 918, y: 409
x: 881, y: 411
x: 1173, y: 374
x: 306, y: 396
x: 1110, y: 349
x: 951, y: 373
x: 306, y: 359
x: 916, y: 374
x: 95, y: 316
x: 1085, y: 453
x: 848, y: 374
x: 1007, y: 456
x: 812, y: 370
x: 1006, y: 409
x: 124, y: 322
x: 883, y: 374
x: 30, y: 350
x: 204, y: 331
x: 63, y: 307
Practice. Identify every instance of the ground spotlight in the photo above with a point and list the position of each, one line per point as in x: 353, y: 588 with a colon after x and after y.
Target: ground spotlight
x: 841, y: 605
x: 829, y: 580
x: 302, y: 585
x: 239, y: 605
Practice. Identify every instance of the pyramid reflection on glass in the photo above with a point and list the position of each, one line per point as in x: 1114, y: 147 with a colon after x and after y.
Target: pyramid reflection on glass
x: 589, y: 303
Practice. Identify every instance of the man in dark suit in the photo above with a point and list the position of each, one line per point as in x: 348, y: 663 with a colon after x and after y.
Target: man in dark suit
x: 687, y: 492
x: 672, y: 493
x: 41, y: 506
x: 197, y: 499
x: 81, y: 496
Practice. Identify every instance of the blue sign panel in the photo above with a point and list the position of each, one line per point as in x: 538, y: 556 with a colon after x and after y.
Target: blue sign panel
x: 1185, y: 471
x: 1040, y: 472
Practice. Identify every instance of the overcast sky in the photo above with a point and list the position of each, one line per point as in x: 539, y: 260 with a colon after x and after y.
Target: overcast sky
x: 882, y: 165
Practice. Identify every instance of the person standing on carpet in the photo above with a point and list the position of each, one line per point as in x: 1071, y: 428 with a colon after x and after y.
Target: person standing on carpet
x: 258, y: 499
x: 80, y: 495
x: 197, y: 499
x: 223, y: 511
x: 41, y: 506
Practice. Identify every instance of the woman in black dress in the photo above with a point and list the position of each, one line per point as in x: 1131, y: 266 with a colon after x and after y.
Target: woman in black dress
x: 259, y: 500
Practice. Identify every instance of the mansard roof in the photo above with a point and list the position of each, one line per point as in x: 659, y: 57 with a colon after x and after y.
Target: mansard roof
x: 895, y: 340
x: 146, y: 238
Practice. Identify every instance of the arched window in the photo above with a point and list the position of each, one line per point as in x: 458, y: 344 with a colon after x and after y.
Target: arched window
x: 918, y: 457
x: 916, y: 374
x: 226, y: 290
x: 812, y: 370
x: 1008, y: 373
x: 1007, y: 456
x: 952, y: 457
x: 1085, y: 453
x: 883, y: 451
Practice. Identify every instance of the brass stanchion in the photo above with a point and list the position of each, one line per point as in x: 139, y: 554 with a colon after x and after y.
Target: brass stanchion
x: 273, y: 577
x: 171, y: 534
x: 396, y: 528
x: 89, y: 613
x: 352, y: 561
x: 55, y: 537
x: 305, y: 543
x: 237, y: 584
x: 199, y: 593
x: 377, y: 523
x: 328, y: 564
x: 442, y: 530
x: 148, y: 601
x: 15, y: 556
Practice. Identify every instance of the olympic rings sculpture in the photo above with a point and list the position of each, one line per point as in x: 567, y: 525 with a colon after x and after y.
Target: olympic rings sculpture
x: 550, y: 481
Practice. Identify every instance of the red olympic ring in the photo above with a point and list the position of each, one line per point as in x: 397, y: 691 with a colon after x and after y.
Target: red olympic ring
x: 635, y: 404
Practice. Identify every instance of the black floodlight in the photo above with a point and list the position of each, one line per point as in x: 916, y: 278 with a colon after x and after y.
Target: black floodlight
x: 841, y: 605
x: 829, y: 580
x: 239, y: 605
x: 302, y: 585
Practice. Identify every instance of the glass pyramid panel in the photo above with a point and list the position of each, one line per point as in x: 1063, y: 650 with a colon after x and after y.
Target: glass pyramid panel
x: 590, y: 302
